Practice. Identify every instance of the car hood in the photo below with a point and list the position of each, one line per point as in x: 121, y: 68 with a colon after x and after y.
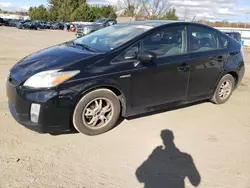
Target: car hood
x: 89, y: 25
x: 95, y: 25
x: 56, y: 57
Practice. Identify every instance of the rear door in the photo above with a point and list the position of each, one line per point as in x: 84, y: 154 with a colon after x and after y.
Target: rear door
x: 207, y: 53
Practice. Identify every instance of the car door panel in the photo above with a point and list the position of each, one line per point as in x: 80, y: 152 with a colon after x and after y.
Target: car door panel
x: 205, y: 70
x: 160, y: 82
x: 165, y: 80
x: 207, y: 58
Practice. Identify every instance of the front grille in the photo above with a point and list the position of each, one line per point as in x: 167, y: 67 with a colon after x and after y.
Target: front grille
x: 12, y: 81
x: 79, y: 30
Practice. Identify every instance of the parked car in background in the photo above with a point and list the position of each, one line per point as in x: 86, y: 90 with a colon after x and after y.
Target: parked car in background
x: 57, y: 26
x: 234, y: 35
x: 7, y: 21
x: 13, y: 22
x: 23, y: 24
x: 41, y: 24
x: 36, y: 25
x: 66, y: 26
x: 123, y: 70
x: 84, y: 29
x: 2, y: 22
x: 48, y: 25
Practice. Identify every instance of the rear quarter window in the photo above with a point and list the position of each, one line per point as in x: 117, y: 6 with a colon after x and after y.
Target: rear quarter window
x: 202, y: 39
x: 223, y: 41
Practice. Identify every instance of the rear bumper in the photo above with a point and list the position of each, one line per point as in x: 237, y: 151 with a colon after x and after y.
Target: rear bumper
x: 240, y: 76
x: 55, y: 112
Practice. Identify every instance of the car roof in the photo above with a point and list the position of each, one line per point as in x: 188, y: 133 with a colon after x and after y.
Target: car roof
x: 233, y: 32
x: 158, y: 23
x: 153, y: 23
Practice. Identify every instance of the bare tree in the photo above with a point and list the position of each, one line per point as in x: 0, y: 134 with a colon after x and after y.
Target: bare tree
x: 129, y: 8
x: 155, y: 8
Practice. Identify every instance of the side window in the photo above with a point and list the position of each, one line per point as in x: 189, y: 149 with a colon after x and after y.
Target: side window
x: 202, y: 39
x: 166, y: 42
x: 128, y: 54
x: 111, y: 22
x: 223, y: 41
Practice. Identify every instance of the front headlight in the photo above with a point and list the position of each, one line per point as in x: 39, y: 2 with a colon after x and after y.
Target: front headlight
x: 51, y: 78
x: 86, y: 30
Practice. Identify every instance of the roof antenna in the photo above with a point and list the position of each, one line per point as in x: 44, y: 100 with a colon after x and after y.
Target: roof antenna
x: 193, y: 19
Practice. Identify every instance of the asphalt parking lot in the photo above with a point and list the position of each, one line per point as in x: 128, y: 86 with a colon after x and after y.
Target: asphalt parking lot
x: 210, y: 149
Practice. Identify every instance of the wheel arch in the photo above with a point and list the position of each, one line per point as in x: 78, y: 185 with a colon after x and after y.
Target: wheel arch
x: 235, y: 75
x: 116, y: 90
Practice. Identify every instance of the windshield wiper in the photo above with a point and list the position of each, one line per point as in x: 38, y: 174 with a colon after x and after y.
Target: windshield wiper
x: 84, y: 46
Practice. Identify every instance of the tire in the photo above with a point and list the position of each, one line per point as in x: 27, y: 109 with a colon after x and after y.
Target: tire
x: 80, y: 120
x: 217, y: 99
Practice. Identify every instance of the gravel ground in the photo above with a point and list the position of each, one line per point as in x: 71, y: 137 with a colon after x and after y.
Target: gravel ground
x: 210, y: 146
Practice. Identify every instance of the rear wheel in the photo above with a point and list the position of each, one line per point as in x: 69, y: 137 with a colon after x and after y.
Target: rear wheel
x: 97, y: 112
x: 224, y: 89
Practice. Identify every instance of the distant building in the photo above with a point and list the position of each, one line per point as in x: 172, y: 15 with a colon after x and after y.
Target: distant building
x: 14, y: 16
x: 125, y: 19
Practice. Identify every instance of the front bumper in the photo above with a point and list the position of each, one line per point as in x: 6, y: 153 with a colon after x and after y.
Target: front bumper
x: 55, y: 112
x: 79, y: 35
x: 24, y: 119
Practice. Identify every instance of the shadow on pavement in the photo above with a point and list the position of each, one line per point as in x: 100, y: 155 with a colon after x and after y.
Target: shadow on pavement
x: 71, y: 131
x: 167, y: 166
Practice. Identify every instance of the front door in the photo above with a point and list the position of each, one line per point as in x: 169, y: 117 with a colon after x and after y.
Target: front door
x: 166, y: 79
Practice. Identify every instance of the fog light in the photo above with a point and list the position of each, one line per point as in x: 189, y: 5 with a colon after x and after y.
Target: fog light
x: 34, y: 112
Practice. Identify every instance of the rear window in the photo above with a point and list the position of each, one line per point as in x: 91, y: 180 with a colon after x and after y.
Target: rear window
x: 236, y: 36
x: 223, y: 41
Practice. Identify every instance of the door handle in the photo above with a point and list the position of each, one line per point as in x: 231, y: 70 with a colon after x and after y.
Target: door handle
x: 183, y: 67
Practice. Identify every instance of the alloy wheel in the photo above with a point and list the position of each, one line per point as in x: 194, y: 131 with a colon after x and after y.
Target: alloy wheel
x: 97, y: 113
x: 225, y: 89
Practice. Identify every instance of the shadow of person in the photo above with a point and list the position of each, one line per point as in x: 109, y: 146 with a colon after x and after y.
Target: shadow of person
x: 167, y: 166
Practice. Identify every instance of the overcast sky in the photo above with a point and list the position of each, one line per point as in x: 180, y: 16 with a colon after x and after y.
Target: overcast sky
x: 232, y: 10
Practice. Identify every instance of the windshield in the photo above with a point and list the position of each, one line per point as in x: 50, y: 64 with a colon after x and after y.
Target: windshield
x: 112, y: 37
x: 100, y: 20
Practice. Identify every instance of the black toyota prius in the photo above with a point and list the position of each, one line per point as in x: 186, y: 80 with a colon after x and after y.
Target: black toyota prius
x: 123, y: 70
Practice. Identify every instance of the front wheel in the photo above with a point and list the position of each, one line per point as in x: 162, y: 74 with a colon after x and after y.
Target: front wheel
x: 224, y: 89
x: 97, y: 112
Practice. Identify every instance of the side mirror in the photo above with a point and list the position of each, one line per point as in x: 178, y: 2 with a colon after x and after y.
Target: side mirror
x: 146, y: 57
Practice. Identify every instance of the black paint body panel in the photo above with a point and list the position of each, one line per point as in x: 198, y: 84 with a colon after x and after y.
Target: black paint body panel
x: 142, y: 87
